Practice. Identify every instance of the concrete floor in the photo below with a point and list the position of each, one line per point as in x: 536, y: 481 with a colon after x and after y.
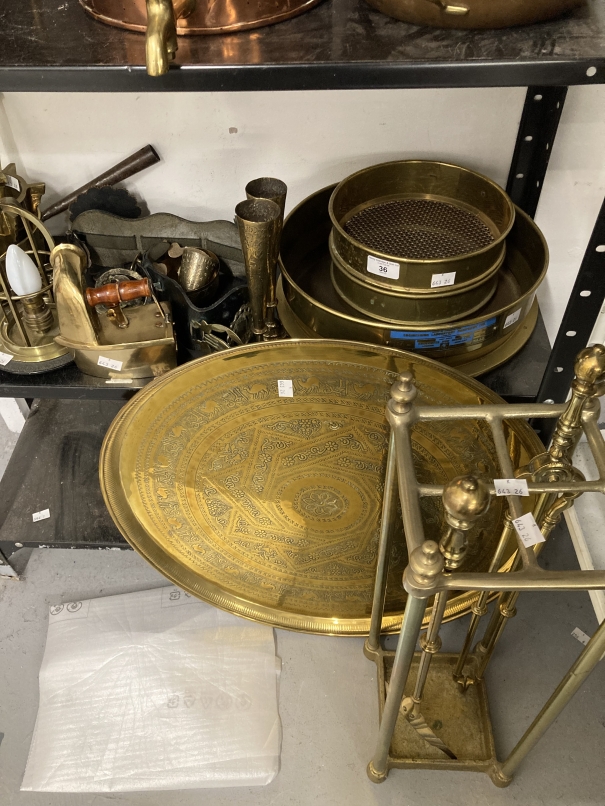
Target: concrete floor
x: 8, y: 440
x: 328, y: 701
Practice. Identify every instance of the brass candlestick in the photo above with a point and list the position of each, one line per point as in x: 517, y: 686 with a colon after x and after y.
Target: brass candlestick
x: 274, y: 190
x: 259, y: 225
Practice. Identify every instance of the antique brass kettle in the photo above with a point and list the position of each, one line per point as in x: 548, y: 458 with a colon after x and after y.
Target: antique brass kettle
x: 474, y: 13
x: 164, y: 20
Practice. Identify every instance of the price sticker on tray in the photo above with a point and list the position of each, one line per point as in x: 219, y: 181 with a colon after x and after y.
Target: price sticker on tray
x: 528, y: 530
x: 511, y: 487
x: 4, y: 359
x: 383, y: 268
x: 110, y: 363
x: 444, y: 279
x: 285, y: 388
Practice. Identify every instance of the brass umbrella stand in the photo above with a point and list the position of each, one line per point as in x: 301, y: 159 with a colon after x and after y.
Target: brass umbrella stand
x: 433, y: 706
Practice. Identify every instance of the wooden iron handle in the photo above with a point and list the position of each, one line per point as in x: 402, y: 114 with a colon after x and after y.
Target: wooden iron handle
x: 114, y: 293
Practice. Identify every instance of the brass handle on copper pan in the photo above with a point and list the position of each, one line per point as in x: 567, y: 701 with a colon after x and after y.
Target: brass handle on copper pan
x: 160, y: 40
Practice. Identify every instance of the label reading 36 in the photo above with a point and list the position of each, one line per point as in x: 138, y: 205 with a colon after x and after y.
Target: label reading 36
x: 383, y: 268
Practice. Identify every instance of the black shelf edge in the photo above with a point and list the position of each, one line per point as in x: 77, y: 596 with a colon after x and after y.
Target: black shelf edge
x: 67, y: 383
x: 518, y: 379
x: 288, y: 77
x: 339, y: 44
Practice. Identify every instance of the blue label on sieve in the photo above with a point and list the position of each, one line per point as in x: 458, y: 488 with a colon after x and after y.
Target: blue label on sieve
x: 435, y: 339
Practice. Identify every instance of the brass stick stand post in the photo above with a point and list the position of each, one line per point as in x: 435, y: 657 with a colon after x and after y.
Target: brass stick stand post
x: 433, y: 706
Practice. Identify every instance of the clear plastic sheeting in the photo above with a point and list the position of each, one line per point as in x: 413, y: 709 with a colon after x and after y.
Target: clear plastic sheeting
x: 151, y: 691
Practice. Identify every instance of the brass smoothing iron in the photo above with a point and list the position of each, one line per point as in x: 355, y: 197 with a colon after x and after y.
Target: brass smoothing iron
x: 109, y: 341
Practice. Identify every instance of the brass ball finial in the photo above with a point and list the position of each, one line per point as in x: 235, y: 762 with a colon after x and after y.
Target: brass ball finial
x: 403, y: 392
x: 590, y: 364
x: 426, y: 563
x: 465, y: 499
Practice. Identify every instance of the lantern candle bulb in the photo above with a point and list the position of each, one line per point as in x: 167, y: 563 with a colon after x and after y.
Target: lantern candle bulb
x: 22, y: 272
x: 26, y: 281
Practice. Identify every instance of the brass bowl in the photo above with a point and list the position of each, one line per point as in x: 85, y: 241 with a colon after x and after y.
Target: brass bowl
x: 403, y: 225
x: 269, y: 506
x: 478, y: 14
x: 434, y: 306
x: 305, y: 264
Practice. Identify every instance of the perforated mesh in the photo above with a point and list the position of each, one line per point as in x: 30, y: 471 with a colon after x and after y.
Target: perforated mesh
x: 420, y: 229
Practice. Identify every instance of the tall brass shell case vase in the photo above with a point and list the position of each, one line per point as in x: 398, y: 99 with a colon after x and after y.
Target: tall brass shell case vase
x: 274, y: 190
x: 259, y: 223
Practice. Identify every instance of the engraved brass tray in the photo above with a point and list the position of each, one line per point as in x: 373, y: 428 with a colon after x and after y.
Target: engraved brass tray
x: 269, y: 506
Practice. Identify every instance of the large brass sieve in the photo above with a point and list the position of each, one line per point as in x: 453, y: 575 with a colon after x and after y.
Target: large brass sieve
x: 309, y: 293
x: 432, y: 305
x: 404, y: 225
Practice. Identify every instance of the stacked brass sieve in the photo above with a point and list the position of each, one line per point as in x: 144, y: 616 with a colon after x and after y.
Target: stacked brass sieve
x: 418, y: 242
x: 419, y: 255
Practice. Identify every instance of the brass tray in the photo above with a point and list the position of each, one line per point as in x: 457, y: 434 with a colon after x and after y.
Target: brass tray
x: 305, y: 265
x: 269, y: 506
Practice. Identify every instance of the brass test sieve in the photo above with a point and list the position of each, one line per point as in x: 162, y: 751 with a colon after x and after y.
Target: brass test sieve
x: 414, y: 219
x: 420, y: 229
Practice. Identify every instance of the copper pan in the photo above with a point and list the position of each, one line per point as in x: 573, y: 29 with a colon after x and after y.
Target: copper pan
x: 474, y: 13
x: 206, y: 18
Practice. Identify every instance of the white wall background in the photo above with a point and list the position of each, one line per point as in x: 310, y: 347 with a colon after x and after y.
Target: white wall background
x: 211, y: 144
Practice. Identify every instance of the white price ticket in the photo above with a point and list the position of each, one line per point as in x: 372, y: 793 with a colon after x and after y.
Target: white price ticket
x: 4, y: 359
x: 511, y: 487
x: 41, y: 516
x: 13, y: 183
x: 512, y: 318
x: 110, y: 363
x: 441, y: 280
x: 119, y: 380
x: 528, y: 530
x: 383, y: 268
x: 285, y: 389
x: 580, y: 635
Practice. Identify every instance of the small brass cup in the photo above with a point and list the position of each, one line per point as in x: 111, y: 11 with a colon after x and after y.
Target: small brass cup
x: 198, y: 272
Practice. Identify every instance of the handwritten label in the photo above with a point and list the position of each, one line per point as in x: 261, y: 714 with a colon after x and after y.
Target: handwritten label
x: 512, y: 318
x: 441, y: 280
x: 383, y: 268
x: 528, y: 530
x: 110, y: 363
x: 13, y: 183
x: 580, y: 636
x: 511, y: 487
x: 285, y: 389
x: 41, y: 516
x: 5, y: 358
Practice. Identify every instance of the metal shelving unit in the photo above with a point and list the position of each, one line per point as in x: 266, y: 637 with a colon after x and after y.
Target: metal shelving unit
x: 341, y: 44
